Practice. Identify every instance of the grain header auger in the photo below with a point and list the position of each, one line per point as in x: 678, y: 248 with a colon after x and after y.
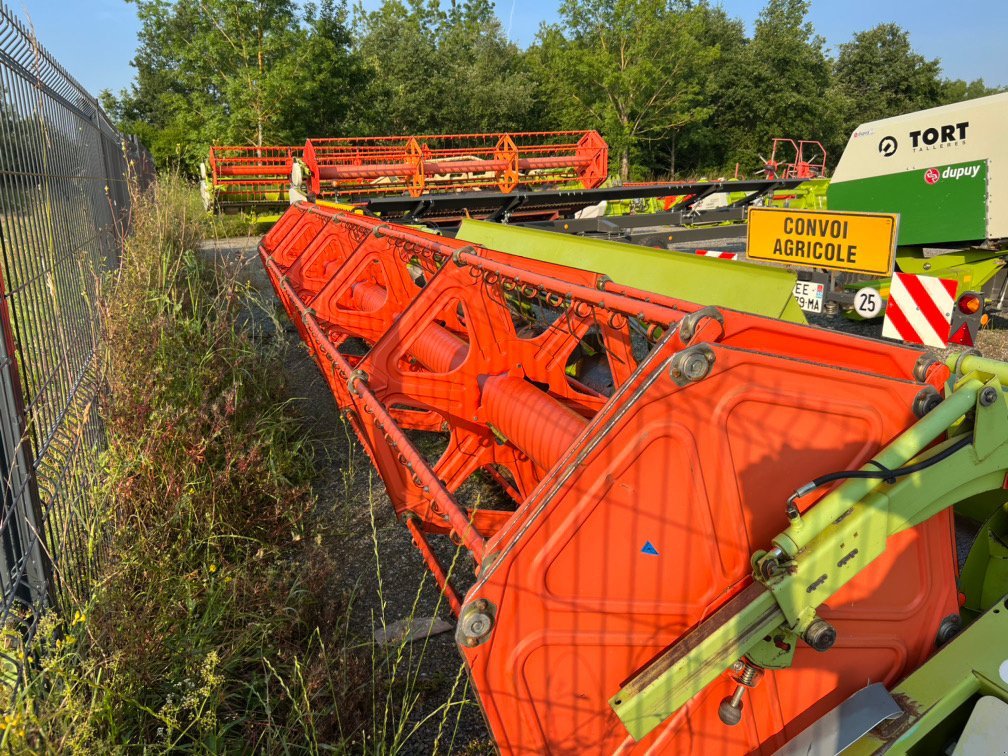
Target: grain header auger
x: 706, y: 518
x: 247, y: 178
x: 360, y: 167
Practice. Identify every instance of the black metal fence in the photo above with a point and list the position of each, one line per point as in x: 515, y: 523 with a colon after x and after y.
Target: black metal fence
x: 64, y: 204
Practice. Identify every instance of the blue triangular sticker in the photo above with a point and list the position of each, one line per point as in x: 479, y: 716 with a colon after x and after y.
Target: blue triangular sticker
x: 649, y: 549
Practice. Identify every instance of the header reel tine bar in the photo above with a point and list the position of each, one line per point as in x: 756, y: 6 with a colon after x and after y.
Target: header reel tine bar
x: 358, y: 167
x: 247, y: 177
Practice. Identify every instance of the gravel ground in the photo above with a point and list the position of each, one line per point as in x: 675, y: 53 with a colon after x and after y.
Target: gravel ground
x: 381, y: 566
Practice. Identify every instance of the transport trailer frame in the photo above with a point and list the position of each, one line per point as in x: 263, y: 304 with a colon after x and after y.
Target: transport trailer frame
x: 552, y: 204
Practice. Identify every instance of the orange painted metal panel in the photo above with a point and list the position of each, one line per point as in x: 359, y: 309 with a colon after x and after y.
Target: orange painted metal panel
x: 647, y: 527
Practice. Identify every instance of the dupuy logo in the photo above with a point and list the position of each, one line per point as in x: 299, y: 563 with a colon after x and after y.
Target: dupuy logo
x: 963, y: 171
x: 887, y: 146
x: 931, y: 176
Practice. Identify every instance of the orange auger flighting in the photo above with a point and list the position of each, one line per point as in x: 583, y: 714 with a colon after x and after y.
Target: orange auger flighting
x: 648, y: 451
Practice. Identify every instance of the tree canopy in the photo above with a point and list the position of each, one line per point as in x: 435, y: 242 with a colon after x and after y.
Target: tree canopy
x: 879, y: 74
x: 677, y: 87
x: 633, y: 69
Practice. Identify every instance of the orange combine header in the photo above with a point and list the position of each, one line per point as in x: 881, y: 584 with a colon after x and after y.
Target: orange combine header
x: 415, y: 165
x: 644, y: 448
x: 238, y: 178
x: 355, y: 168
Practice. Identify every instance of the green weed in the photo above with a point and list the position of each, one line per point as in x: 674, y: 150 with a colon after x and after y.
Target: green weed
x: 212, y: 627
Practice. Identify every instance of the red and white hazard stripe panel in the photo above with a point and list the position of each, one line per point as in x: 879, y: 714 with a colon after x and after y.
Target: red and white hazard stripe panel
x: 718, y: 255
x: 919, y: 309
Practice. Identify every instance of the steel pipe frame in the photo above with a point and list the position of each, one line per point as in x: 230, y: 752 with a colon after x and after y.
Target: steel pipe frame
x: 420, y: 164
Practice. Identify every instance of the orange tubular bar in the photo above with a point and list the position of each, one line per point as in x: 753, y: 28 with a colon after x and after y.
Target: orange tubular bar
x: 368, y: 166
x: 251, y: 177
x: 434, y: 565
x: 644, y: 447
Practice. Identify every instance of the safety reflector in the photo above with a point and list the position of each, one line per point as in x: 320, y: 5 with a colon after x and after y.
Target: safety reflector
x: 717, y: 254
x: 962, y: 336
x: 919, y: 309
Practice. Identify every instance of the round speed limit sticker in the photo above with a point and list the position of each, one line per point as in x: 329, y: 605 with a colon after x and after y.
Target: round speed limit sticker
x: 868, y: 303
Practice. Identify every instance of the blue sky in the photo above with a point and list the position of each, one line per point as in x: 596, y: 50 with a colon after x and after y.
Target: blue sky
x: 95, y: 39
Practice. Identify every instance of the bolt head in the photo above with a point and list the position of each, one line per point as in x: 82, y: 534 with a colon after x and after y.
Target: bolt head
x: 820, y: 635
x: 475, y: 625
x: 770, y: 568
x: 691, y: 364
x: 948, y: 629
x: 695, y: 367
x: 988, y: 396
x: 926, y: 401
x: 728, y: 712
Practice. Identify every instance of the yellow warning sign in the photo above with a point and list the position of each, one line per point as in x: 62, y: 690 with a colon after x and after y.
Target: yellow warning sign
x: 855, y: 242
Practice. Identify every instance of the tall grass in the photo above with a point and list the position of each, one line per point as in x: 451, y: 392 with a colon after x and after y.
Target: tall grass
x: 213, y: 627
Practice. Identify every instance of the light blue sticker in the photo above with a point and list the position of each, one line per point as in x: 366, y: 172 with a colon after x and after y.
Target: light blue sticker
x: 649, y: 549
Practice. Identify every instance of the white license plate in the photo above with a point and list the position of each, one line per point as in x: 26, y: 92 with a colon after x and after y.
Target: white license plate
x: 809, y: 295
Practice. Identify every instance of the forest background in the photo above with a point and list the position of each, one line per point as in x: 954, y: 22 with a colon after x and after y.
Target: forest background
x: 677, y: 88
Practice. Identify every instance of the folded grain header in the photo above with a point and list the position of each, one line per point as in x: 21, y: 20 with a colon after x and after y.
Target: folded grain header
x: 247, y: 179
x: 712, y: 529
x: 360, y: 167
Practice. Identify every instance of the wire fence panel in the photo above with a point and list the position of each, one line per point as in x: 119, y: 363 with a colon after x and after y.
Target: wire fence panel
x: 64, y: 202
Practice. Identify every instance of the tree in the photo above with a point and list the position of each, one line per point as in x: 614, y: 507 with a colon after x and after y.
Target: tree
x: 704, y: 144
x: 481, y: 81
x: 631, y: 68
x: 880, y: 75
x: 398, y: 48
x: 673, y: 85
x: 431, y: 71
x: 957, y: 90
x: 777, y: 86
x: 236, y: 71
x: 322, y: 78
